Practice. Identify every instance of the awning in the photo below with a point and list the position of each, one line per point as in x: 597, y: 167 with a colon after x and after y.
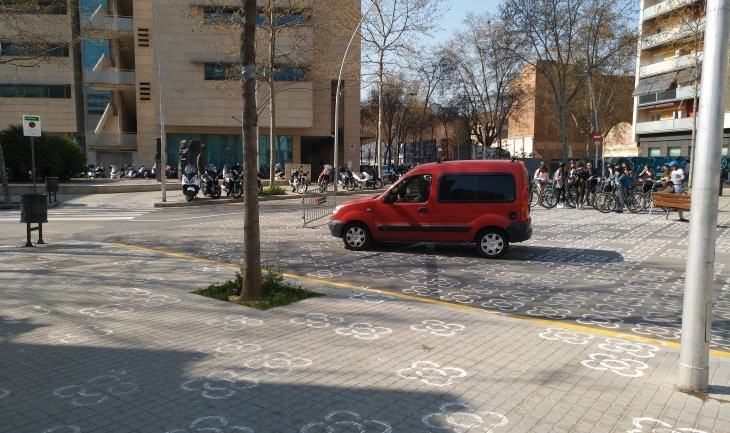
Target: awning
x: 657, y: 83
x: 644, y: 86
x: 687, y: 75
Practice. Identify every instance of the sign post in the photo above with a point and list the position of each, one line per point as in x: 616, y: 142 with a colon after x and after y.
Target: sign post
x: 597, y: 140
x: 32, y: 128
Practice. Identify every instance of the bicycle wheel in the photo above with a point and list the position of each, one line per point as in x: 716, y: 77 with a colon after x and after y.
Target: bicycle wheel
x: 571, y: 197
x: 605, y: 202
x: 549, y: 199
x: 534, y: 198
x: 635, y: 201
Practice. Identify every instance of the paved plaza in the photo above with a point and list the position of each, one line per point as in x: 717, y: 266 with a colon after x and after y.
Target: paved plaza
x: 576, y: 330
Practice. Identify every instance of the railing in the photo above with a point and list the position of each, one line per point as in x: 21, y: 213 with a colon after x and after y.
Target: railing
x: 685, y: 92
x: 664, y: 7
x: 681, y: 62
x: 682, y: 31
x: 317, y: 204
x: 111, y: 76
x: 111, y: 140
x: 98, y: 20
x: 684, y: 123
x: 102, y: 121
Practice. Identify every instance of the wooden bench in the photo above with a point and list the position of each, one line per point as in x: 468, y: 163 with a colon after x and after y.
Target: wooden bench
x: 681, y: 202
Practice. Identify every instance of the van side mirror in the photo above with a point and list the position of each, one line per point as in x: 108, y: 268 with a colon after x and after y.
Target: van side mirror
x: 389, y: 199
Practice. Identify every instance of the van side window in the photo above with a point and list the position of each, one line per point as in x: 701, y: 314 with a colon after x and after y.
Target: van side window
x: 476, y: 188
x: 414, y: 190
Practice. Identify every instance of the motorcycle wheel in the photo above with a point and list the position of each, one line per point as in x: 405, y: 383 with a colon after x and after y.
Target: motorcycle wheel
x: 189, y: 194
x: 378, y: 184
x: 237, y: 191
x: 350, y: 185
x: 261, y: 188
x: 216, y: 192
x: 302, y: 188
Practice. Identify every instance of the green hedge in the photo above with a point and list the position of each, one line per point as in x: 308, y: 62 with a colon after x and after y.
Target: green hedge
x: 54, y: 156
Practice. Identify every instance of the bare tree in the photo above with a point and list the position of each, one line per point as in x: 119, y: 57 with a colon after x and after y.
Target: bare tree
x: 567, y: 41
x: 486, y: 71
x: 251, y: 264
x: 388, y: 32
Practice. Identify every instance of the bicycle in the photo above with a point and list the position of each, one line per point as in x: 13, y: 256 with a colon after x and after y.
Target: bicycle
x: 534, y: 196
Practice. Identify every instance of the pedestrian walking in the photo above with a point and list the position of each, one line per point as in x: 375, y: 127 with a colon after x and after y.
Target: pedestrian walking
x: 559, y: 178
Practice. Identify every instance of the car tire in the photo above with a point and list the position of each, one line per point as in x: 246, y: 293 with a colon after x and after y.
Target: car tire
x: 492, y: 243
x: 357, y: 237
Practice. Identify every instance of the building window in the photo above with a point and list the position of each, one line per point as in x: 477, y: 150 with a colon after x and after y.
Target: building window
x: 674, y: 151
x: 229, y: 15
x: 10, y: 49
x: 724, y: 150
x: 50, y: 7
x: 654, y: 116
x: 283, y: 150
x: 655, y: 151
x: 289, y: 74
x: 220, y: 149
x: 217, y: 71
x: 35, y: 91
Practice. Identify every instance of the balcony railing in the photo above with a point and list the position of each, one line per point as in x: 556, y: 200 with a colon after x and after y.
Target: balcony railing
x: 109, y: 140
x: 664, y: 7
x: 682, y: 124
x: 108, y: 77
x: 679, y: 32
x: 101, y: 20
x: 679, y: 93
x: 681, y: 62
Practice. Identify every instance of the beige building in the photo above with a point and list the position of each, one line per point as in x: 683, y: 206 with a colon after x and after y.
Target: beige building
x: 195, y: 57
x: 670, y: 59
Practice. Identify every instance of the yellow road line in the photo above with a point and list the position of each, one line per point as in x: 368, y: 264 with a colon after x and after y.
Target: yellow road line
x: 548, y: 322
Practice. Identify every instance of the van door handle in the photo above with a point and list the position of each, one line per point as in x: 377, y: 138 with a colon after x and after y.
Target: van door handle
x: 422, y: 209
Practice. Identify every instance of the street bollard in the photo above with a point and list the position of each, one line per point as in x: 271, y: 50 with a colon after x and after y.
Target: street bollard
x: 52, y: 188
x: 33, y: 210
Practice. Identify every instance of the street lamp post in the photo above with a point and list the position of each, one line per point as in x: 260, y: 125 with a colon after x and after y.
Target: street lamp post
x: 163, y: 138
x: 339, y: 85
x: 596, y: 127
x: 400, y: 121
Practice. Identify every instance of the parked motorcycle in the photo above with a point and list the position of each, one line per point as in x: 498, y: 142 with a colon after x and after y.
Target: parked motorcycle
x: 346, y: 180
x: 390, y: 178
x: 298, y: 181
x: 324, y: 178
x: 144, y: 173
x: 190, y: 182
x: 131, y: 172
x: 365, y: 181
x: 209, y: 182
x: 95, y: 172
x: 170, y: 171
x: 116, y: 173
x: 232, y: 184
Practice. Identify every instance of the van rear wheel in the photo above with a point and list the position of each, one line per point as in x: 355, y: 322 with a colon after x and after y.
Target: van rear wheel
x: 357, y: 237
x: 492, y: 243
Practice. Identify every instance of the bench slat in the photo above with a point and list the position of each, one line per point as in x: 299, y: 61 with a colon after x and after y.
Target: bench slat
x: 675, y: 201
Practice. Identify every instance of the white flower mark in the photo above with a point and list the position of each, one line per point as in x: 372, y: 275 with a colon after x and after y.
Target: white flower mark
x: 550, y: 312
x: 461, y: 418
x: 106, y: 310
x: 4, y: 393
x: 363, y: 331
x: 211, y: 424
x: 438, y: 327
x: 219, y: 384
x: 431, y: 373
x: 317, y: 320
x: 656, y: 330
x: 235, y: 323
x: 633, y: 348
x: 98, y: 389
x: 278, y: 363
x: 64, y: 429
x: 622, y: 367
x: 229, y: 349
x: 80, y: 334
x: 422, y: 291
x: 598, y: 320
x: 144, y: 297
x: 26, y: 312
x: 570, y: 337
x: 652, y: 425
x: 371, y: 298
x: 342, y: 421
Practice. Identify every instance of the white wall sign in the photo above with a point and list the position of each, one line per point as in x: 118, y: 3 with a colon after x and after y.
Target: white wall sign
x: 31, y: 126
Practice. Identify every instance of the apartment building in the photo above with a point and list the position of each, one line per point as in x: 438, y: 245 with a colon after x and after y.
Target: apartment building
x: 37, y: 77
x: 126, y: 46
x: 668, y: 77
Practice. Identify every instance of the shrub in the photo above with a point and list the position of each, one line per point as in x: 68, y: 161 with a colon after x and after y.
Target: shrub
x: 273, y: 190
x: 54, y: 155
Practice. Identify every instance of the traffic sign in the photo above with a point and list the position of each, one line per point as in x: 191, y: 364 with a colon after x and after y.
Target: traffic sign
x: 31, y: 126
x: 597, y: 137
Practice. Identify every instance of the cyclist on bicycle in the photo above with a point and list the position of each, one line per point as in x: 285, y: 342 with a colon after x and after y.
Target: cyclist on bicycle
x: 592, y: 178
x: 542, y: 176
x: 647, y: 178
x: 581, y: 182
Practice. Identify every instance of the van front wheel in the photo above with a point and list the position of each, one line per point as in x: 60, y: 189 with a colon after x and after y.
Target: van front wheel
x: 492, y: 243
x: 357, y: 237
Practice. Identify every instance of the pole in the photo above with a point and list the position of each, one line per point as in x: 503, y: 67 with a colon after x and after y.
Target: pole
x: 596, y: 127
x: 163, y: 139
x: 32, y: 157
x: 339, y: 84
x: 697, y: 308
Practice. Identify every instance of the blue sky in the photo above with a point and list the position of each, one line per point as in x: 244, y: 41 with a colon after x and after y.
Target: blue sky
x: 457, y: 10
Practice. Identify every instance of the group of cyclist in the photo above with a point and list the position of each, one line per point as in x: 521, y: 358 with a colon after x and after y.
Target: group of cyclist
x: 620, y: 179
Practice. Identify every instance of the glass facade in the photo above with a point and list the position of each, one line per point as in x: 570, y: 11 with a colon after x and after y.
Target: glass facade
x: 230, y: 15
x: 35, y: 91
x: 283, y: 150
x: 10, y: 49
x: 219, y: 149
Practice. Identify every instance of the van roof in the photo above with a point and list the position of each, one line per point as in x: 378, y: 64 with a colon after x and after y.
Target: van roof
x: 471, y: 165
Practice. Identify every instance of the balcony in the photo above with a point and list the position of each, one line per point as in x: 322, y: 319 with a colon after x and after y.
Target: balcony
x: 108, y: 78
x: 664, y: 7
x: 683, y: 31
x: 101, y: 21
x: 669, y: 65
x: 679, y: 93
x: 669, y: 125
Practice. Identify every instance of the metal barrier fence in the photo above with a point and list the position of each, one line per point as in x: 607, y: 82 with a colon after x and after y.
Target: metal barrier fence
x: 317, y: 205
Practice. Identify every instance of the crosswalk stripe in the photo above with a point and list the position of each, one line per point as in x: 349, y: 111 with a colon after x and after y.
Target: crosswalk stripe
x: 87, y: 214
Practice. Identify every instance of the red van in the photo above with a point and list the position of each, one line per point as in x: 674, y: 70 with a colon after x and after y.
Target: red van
x: 485, y: 202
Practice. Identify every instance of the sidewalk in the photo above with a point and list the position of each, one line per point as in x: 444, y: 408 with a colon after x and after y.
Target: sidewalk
x: 101, y: 338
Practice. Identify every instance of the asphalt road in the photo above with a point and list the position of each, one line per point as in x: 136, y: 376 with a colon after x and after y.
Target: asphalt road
x: 619, y: 272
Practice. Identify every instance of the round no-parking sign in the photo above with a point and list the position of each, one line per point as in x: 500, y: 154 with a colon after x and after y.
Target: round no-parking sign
x: 31, y: 126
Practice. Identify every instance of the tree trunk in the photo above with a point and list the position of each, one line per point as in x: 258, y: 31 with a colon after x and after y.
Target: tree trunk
x: 272, y: 106
x: 564, y: 132
x: 251, y: 265
x: 378, y: 152
x: 4, y: 177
